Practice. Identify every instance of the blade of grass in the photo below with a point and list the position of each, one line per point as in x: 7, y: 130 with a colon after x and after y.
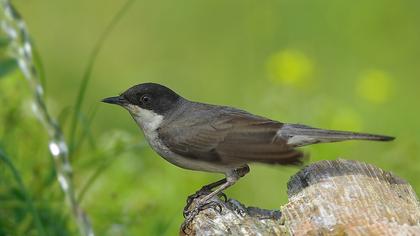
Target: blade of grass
x: 86, y: 121
x: 88, y: 71
x: 28, y: 199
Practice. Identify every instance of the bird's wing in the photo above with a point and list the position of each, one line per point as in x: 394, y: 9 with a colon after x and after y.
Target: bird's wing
x: 231, y: 138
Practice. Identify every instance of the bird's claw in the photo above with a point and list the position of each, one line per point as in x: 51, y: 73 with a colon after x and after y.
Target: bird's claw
x: 189, y: 215
x: 186, y: 225
x: 224, y: 196
x: 217, y: 206
x: 202, y: 192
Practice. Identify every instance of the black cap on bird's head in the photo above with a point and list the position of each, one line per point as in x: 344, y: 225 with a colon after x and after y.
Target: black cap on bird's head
x: 150, y: 96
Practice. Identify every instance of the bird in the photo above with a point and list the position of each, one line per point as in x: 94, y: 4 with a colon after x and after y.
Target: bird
x: 220, y: 139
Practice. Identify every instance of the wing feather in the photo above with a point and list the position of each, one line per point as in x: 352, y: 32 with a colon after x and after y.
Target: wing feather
x: 231, y: 138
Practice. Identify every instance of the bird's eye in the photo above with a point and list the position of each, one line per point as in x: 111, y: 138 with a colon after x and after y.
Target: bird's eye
x: 145, y: 99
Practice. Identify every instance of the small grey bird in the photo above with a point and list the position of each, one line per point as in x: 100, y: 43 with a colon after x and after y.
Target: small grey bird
x: 221, y: 139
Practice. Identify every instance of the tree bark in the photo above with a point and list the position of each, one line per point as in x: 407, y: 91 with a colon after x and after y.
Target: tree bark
x: 340, y: 197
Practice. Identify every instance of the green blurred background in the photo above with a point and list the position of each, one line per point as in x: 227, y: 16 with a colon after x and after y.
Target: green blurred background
x: 342, y: 65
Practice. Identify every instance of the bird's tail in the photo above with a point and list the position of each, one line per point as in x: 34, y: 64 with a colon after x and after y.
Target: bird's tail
x: 301, y: 135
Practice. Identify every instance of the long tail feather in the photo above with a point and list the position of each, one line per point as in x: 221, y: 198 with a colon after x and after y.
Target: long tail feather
x: 301, y: 135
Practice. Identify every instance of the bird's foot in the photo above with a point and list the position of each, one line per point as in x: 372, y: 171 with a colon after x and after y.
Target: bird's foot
x: 191, y: 214
x: 204, y: 191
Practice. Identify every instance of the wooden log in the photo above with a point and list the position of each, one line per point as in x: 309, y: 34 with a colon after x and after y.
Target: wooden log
x: 338, y: 197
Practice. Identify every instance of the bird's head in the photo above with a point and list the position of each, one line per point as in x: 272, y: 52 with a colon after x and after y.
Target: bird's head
x: 146, y: 102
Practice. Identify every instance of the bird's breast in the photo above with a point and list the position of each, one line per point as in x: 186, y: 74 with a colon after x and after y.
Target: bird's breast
x: 152, y: 137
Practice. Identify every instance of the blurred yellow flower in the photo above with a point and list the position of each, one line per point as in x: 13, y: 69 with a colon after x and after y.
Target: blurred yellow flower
x: 290, y: 67
x: 375, y: 86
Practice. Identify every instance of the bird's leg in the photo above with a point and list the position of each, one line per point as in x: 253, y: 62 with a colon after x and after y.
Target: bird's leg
x: 206, y: 189
x: 231, y: 178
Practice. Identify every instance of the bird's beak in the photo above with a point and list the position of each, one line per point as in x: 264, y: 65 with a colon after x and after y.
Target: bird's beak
x: 119, y: 100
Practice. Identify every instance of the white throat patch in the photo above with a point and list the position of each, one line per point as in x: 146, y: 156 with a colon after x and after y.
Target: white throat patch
x: 146, y: 119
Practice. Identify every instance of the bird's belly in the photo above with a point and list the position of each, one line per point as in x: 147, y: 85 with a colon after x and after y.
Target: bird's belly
x: 183, y: 162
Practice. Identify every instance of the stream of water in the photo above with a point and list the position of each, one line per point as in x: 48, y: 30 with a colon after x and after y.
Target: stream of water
x: 20, y: 48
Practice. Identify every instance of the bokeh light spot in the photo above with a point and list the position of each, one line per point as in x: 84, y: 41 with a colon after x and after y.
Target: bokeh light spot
x: 290, y: 67
x: 346, y: 119
x: 375, y: 86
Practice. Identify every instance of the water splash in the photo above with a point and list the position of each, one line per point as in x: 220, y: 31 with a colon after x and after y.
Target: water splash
x: 20, y: 48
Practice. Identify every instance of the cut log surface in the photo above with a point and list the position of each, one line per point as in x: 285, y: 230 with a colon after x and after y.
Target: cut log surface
x: 349, y: 197
x: 338, y: 197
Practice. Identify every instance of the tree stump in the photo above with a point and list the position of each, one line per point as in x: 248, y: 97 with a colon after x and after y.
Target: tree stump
x: 340, y: 197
